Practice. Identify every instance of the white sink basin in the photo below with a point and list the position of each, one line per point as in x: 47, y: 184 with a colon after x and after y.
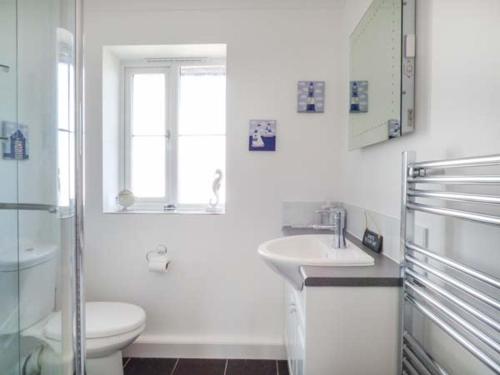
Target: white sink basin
x: 286, y: 255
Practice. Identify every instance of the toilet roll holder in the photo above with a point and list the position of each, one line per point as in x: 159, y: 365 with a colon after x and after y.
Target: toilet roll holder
x: 160, y: 250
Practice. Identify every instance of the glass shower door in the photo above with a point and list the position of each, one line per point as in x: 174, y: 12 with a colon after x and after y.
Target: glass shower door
x: 9, y: 270
x: 38, y: 300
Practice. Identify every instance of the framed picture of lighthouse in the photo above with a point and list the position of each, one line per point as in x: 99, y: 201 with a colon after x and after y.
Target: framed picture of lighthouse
x: 311, y: 96
x: 262, y: 135
x: 14, y: 139
x: 359, y: 97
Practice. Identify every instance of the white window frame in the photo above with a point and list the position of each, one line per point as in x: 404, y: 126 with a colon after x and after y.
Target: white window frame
x: 172, y: 78
x: 65, y: 51
x: 129, y: 72
x: 67, y: 210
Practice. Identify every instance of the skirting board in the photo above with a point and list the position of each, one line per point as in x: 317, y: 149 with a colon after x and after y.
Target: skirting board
x: 166, y: 346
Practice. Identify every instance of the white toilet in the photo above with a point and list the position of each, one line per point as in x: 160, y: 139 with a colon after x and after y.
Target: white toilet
x: 110, y: 326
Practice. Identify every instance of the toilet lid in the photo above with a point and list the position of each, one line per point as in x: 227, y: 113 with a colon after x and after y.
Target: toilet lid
x: 102, y: 319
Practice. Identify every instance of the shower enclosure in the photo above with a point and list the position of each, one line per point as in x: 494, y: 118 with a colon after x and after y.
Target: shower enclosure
x: 40, y: 188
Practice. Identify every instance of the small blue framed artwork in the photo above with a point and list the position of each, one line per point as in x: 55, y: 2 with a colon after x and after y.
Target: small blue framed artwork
x: 15, y: 145
x: 359, y: 97
x: 311, y: 96
x: 262, y: 135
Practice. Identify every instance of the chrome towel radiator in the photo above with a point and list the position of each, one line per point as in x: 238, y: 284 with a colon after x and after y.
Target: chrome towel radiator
x: 434, y: 284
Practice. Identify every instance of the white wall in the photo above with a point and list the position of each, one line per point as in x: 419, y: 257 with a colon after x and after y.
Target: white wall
x: 457, y: 115
x: 217, y: 292
x: 458, y: 89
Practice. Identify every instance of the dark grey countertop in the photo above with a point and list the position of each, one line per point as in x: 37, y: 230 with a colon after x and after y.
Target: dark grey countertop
x: 385, y: 272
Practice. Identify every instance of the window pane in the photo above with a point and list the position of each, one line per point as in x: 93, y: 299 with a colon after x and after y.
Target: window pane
x: 71, y: 94
x: 202, y: 101
x: 148, y: 167
x: 198, y: 158
x: 63, y: 168
x: 148, y: 104
x: 63, y: 98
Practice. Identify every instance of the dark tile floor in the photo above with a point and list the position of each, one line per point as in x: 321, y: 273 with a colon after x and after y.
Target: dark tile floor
x: 172, y: 366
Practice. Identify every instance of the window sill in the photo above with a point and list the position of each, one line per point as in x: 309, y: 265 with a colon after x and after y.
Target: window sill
x: 185, y: 211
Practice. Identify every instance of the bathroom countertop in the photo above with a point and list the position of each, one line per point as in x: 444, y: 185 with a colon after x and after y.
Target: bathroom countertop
x: 385, y: 272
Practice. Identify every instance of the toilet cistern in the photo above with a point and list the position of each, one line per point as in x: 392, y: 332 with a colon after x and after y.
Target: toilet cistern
x: 334, y: 218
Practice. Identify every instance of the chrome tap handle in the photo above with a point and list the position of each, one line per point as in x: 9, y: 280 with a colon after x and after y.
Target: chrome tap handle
x: 334, y: 218
x: 338, y: 216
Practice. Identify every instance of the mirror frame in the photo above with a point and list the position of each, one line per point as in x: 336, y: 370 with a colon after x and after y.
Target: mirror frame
x: 407, y: 79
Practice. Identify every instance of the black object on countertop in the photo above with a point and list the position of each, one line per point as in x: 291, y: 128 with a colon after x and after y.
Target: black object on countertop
x: 373, y: 240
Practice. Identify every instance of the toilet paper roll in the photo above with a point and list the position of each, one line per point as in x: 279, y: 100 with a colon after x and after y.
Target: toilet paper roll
x: 158, y: 264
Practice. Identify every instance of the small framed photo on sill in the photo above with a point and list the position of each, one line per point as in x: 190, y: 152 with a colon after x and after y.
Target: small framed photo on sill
x: 262, y: 135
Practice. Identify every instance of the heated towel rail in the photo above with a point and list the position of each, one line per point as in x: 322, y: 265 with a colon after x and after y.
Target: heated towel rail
x: 434, y: 284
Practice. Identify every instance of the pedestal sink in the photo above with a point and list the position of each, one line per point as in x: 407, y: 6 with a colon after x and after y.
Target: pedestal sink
x: 285, y: 255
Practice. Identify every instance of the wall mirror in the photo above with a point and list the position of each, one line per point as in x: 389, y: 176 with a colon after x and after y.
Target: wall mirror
x: 381, y: 77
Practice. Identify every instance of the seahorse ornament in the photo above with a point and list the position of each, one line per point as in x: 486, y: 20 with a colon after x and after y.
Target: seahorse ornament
x: 214, y: 202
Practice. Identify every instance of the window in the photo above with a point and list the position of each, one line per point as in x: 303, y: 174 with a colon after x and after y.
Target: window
x: 174, y: 134
x: 65, y: 124
x: 147, y: 133
x: 201, y: 132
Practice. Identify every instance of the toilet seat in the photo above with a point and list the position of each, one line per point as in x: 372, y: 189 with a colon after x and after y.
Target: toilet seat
x: 102, y: 319
x: 110, y: 326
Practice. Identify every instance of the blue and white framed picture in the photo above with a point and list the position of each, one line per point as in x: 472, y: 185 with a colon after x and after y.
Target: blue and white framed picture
x: 311, y: 96
x: 359, y: 97
x: 262, y: 135
x: 15, y: 145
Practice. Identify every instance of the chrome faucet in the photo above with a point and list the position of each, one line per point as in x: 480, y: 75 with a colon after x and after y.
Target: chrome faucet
x: 339, y: 218
x: 334, y: 218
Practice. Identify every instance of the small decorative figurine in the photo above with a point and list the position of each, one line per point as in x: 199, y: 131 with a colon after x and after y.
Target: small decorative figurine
x: 126, y: 199
x: 213, y: 204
